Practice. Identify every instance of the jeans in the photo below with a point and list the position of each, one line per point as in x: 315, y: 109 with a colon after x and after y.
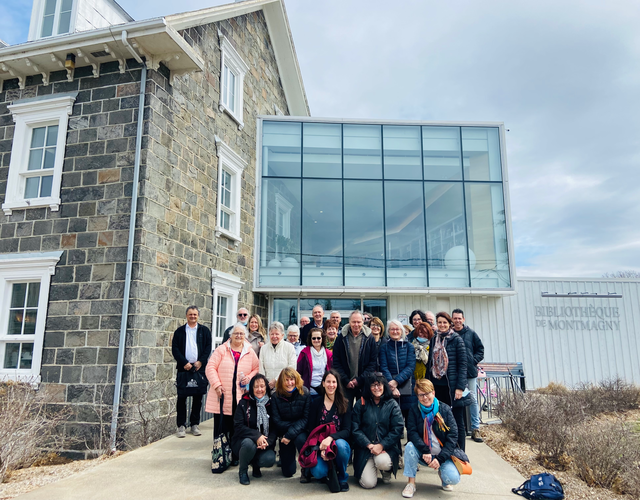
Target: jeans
x: 321, y: 470
x: 250, y: 454
x: 181, y: 410
x: 472, y: 384
x: 288, y: 454
x: 448, y: 472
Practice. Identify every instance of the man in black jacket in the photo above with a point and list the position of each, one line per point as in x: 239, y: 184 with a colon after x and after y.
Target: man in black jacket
x: 475, y: 354
x: 191, y: 348
x: 317, y: 322
x: 354, y: 355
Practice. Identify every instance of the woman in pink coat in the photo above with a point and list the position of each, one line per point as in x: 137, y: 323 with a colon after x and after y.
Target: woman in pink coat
x: 229, y: 370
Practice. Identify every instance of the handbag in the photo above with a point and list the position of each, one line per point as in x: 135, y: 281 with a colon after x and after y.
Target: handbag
x: 221, y: 453
x: 332, y: 478
x: 463, y: 466
x: 191, y: 383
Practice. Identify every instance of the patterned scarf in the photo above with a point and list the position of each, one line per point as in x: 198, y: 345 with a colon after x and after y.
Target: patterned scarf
x: 263, y: 416
x: 330, y: 344
x: 431, y: 414
x: 439, y: 355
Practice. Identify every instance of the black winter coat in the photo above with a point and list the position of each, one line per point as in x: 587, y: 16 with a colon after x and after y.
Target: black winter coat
x: 475, y: 350
x: 398, y: 362
x: 457, y: 369
x: 290, y: 414
x: 373, y: 424
x: 316, y: 408
x: 179, y: 346
x: 449, y: 439
x: 366, y: 361
x: 245, y: 424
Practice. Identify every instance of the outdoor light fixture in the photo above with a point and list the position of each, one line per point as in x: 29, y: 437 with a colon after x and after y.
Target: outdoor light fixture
x: 70, y: 61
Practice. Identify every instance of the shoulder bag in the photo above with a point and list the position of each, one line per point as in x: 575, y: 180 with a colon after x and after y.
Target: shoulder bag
x: 221, y: 453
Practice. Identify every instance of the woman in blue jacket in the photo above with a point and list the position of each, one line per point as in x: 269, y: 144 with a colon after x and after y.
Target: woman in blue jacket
x: 397, y: 363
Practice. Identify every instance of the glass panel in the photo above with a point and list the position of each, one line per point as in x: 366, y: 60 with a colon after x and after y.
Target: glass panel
x: 488, y: 257
x: 49, y: 157
x: 35, y: 159
x: 226, y: 189
x: 18, y: 293
x: 402, y: 152
x: 65, y: 16
x: 11, y: 354
x: 225, y: 85
x: 322, y: 150
x: 363, y: 233
x: 281, y: 149
x: 45, y: 188
x: 26, y: 356
x: 322, y: 233
x: 362, y: 152
x: 30, y: 321
x: 285, y: 311
x: 15, y: 322
x: 222, y: 315
x: 280, y: 247
x: 446, y: 235
x: 404, y: 216
x: 481, y: 154
x: 52, y: 135
x: 47, y: 26
x: 378, y: 308
x: 225, y: 220
x: 232, y: 91
x: 50, y: 7
x: 441, y: 153
x: 31, y: 187
x: 66, y: 5
x: 343, y: 306
x: 37, y: 137
x: 33, y: 295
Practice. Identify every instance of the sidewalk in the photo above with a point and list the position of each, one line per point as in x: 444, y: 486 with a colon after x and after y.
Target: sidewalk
x: 181, y: 468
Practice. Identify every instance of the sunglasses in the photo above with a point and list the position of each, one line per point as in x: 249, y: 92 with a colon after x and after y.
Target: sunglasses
x: 316, y: 338
x: 242, y: 315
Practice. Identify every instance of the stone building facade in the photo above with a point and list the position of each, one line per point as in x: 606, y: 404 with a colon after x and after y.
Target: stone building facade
x: 178, y: 243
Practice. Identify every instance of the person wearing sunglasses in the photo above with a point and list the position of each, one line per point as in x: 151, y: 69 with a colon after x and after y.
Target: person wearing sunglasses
x: 243, y: 317
x: 314, y: 360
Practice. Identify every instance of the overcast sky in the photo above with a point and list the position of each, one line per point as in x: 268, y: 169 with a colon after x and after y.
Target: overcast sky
x: 564, y: 77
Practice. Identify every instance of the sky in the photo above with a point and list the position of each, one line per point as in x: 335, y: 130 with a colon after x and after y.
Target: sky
x: 564, y: 77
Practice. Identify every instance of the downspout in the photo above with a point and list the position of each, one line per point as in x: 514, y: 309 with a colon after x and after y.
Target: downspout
x: 132, y: 229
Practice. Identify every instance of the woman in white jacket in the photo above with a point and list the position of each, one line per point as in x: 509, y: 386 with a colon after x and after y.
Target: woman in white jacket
x: 276, y: 354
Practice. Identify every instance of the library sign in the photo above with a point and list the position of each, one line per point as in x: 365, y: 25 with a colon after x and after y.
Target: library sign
x: 582, y: 318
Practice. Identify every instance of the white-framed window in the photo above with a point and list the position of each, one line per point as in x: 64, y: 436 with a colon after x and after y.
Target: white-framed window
x: 230, y: 167
x: 37, y: 153
x: 232, y: 72
x: 283, y: 216
x: 55, y: 17
x: 226, y: 288
x: 24, y: 294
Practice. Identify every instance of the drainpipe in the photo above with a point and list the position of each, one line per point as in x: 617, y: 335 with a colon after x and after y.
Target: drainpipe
x: 132, y: 229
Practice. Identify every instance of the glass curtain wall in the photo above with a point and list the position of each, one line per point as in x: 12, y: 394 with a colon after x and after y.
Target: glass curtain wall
x: 366, y: 206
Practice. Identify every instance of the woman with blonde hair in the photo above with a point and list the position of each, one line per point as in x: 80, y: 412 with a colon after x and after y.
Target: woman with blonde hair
x: 257, y: 334
x: 290, y: 411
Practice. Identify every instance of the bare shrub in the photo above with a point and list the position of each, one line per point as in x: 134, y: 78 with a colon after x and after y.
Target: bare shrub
x: 28, y: 423
x: 554, y: 389
x: 604, y: 451
x: 608, y: 396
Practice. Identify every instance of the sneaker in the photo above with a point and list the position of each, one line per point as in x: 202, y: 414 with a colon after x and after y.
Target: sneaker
x: 447, y: 487
x: 244, y: 477
x: 409, y: 490
x: 257, y: 472
x: 386, y: 476
x: 195, y: 430
x: 475, y: 435
x: 181, y: 432
x: 344, y: 487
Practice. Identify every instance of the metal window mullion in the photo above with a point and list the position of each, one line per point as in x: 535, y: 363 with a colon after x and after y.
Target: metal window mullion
x: 384, y: 211
x: 344, y: 258
x: 424, y: 208
x: 464, y: 209
x: 301, y: 197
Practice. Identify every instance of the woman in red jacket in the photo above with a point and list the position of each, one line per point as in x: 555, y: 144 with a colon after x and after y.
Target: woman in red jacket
x: 314, y: 360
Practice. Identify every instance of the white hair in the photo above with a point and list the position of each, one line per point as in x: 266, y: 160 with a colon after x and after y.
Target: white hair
x: 239, y: 326
x: 399, y: 325
x: 276, y: 325
x: 293, y: 328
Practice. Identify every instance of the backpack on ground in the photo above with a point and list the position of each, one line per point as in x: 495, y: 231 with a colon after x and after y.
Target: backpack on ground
x: 541, y: 486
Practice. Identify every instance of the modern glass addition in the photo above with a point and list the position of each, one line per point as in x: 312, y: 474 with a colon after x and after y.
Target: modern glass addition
x: 370, y: 206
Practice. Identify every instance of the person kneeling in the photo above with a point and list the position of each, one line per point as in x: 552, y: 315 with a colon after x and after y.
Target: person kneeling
x: 253, y: 439
x: 432, y: 439
x: 377, y: 427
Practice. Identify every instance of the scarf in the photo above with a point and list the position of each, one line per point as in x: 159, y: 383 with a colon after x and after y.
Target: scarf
x: 431, y: 414
x: 319, y: 358
x: 439, y: 354
x: 263, y: 416
x: 330, y: 344
x: 421, y: 349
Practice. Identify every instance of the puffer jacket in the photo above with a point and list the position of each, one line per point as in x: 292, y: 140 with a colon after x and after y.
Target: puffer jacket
x: 371, y: 423
x: 475, y: 350
x: 273, y: 361
x: 220, y: 370
x: 400, y: 355
x: 447, y: 438
x: 457, y: 369
x: 366, y: 361
x: 245, y: 424
x: 290, y: 413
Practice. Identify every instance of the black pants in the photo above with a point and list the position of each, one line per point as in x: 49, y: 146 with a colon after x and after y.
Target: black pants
x: 443, y: 394
x: 288, y: 454
x: 181, y: 410
x: 228, y: 424
x: 250, y: 454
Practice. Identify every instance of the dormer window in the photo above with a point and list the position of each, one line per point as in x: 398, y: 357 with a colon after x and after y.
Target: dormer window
x: 56, y: 17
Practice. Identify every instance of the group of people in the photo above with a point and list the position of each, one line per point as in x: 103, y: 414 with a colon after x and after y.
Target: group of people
x: 345, y: 388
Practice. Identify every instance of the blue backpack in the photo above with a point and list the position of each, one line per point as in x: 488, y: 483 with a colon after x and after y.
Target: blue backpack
x: 541, y: 486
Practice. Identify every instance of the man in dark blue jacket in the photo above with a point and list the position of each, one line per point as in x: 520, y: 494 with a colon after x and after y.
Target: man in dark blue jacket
x: 475, y: 354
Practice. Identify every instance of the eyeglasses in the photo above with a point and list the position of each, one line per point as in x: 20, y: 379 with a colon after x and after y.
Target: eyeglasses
x: 423, y: 395
x: 242, y: 315
x: 238, y: 334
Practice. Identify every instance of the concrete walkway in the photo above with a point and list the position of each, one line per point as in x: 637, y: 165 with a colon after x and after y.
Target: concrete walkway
x: 181, y: 469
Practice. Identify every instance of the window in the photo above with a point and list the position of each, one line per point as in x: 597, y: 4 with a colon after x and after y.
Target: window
x: 24, y: 293
x: 226, y: 288
x: 230, y: 167
x: 37, y: 155
x: 56, y: 17
x: 232, y: 74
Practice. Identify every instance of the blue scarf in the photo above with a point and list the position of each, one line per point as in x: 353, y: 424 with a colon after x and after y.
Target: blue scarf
x: 428, y: 414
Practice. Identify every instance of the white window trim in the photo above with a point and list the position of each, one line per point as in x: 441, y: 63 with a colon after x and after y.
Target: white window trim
x: 28, y: 267
x: 230, y: 58
x: 230, y: 161
x: 29, y: 114
x: 284, y: 207
x: 225, y: 285
x: 37, y: 18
